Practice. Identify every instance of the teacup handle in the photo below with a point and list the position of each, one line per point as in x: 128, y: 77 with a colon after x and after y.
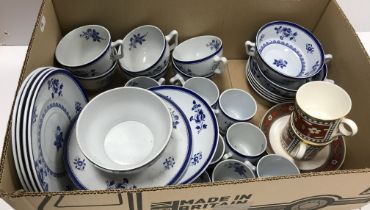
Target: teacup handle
x: 343, y: 131
x: 216, y: 111
x: 222, y: 64
x: 227, y: 156
x: 173, y: 34
x: 328, y: 58
x: 177, y: 77
x: 329, y: 80
x: 161, y: 81
x: 250, y: 48
x: 250, y: 165
x: 300, y: 151
x: 119, y: 55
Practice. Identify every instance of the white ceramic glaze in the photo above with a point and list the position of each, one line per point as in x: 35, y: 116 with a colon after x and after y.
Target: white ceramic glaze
x: 127, y: 75
x: 234, y: 105
x: 124, y: 129
x: 17, y: 121
x: 144, y: 82
x: 231, y: 170
x: 166, y: 170
x: 98, y: 82
x: 180, y: 77
x: 200, y: 56
x: 220, y: 151
x: 203, y: 124
x: 245, y: 142
x: 147, y: 50
x: 57, y: 98
x: 276, y: 165
x: 287, y: 49
x: 88, y: 51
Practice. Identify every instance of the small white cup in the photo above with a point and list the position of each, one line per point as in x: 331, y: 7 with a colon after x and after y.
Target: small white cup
x: 220, y: 150
x: 144, y: 82
x: 234, y: 105
x: 204, y: 87
x: 245, y: 142
x: 275, y: 165
x: 200, y: 56
x: 232, y: 170
x: 88, y: 51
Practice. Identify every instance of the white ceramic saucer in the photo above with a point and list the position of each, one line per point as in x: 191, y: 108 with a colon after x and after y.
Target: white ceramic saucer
x: 203, y: 124
x: 17, y: 114
x: 57, y: 99
x: 273, y: 123
x: 165, y: 170
x: 261, y: 93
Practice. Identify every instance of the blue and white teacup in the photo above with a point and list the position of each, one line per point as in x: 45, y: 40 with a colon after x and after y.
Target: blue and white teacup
x: 144, y: 82
x: 232, y: 170
x: 98, y: 82
x: 234, y: 105
x: 180, y: 77
x: 147, y: 50
x: 200, y: 56
x: 88, y: 51
x: 245, y: 142
x: 286, y: 51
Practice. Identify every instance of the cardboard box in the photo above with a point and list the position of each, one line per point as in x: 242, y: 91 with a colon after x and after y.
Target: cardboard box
x: 235, y: 21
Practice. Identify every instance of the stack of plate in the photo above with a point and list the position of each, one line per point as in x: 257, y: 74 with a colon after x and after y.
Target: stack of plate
x: 46, y: 103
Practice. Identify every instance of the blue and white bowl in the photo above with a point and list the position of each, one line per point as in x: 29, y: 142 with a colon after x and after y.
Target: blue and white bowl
x: 98, y: 82
x: 181, y: 77
x: 128, y: 75
x: 200, y: 56
x: 287, y: 51
x: 88, y: 51
x: 147, y: 50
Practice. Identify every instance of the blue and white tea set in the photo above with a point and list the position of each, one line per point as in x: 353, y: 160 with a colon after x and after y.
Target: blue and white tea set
x: 145, y: 133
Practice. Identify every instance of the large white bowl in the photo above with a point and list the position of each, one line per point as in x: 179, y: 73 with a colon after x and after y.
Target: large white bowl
x: 124, y: 129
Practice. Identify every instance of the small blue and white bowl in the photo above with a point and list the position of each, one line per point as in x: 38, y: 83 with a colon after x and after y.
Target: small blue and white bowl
x: 181, y: 77
x: 127, y: 75
x: 286, y: 51
x: 98, y: 82
x: 88, y: 51
x: 147, y: 51
x: 200, y: 56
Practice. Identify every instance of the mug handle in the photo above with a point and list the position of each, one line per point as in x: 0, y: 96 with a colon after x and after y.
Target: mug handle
x: 227, y: 156
x: 222, y: 64
x: 173, y: 34
x: 300, y: 151
x: 250, y: 48
x: 330, y: 81
x: 161, y: 81
x: 328, y: 58
x: 177, y: 77
x: 250, y: 165
x: 216, y: 111
x: 343, y: 131
x: 119, y: 55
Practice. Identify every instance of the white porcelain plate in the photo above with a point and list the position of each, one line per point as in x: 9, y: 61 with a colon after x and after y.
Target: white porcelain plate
x: 166, y: 170
x: 203, y: 124
x: 57, y: 100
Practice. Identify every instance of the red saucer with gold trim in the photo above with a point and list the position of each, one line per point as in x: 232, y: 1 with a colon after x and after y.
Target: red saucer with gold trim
x: 272, y: 124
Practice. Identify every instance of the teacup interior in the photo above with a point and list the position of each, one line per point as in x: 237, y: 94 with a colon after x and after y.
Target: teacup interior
x: 238, y: 104
x: 83, y: 45
x: 143, y: 47
x: 142, y: 82
x: 247, y: 139
x: 119, y: 129
x: 276, y: 165
x: 323, y: 100
x: 204, y: 87
x: 197, y: 48
x: 231, y: 170
x: 290, y: 49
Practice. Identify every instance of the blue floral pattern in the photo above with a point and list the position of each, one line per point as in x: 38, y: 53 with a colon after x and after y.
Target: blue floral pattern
x: 238, y: 168
x: 175, y: 119
x: 262, y: 36
x: 280, y: 63
x: 309, y: 48
x: 199, y: 117
x: 186, y: 71
x: 42, y: 173
x: 137, y: 39
x: 79, y: 163
x: 316, y: 65
x: 215, y: 65
x: 78, y: 107
x: 91, y: 33
x: 196, y: 158
x: 286, y: 32
x: 56, y: 87
x: 34, y: 114
x: 169, y: 163
x: 160, y: 68
x: 112, y: 184
x: 58, y: 143
x: 214, y: 44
